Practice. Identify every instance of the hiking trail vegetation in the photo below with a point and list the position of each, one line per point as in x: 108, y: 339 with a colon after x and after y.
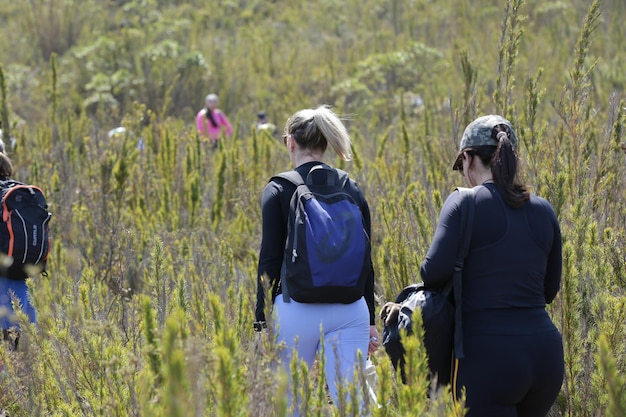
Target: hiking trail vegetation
x: 149, y: 302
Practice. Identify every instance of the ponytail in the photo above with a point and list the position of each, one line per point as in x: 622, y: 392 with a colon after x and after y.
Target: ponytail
x: 504, y: 168
x: 493, y: 140
x: 334, y: 131
x: 317, y: 128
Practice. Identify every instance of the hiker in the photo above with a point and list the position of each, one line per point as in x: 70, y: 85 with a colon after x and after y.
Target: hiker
x: 263, y: 124
x: 210, y: 121
x: 513, y: 354
x: 122, y: 133
x: 12, y: 282
x: 344, y: 313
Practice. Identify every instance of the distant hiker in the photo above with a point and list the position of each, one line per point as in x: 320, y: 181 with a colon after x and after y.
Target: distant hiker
x: 513, y: 353
x: 316, y: 230
x: 23, y: 245
x: 210, y: 121
x: 263, y: 124
x: 122, y: 133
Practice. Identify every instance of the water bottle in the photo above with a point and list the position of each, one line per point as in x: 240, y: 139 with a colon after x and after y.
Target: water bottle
x: 371, y: 381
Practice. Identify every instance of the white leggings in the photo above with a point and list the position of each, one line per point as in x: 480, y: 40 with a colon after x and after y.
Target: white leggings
x: 345, y: 328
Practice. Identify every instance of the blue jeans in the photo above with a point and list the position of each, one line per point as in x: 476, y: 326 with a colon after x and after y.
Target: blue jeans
x: 18, y: 289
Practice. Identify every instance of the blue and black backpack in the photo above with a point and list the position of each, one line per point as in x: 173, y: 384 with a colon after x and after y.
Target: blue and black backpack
x: 327, y: 253
x: 24, y: 222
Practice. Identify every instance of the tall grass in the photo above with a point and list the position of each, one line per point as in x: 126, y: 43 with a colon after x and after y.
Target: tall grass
x: 148, y: 306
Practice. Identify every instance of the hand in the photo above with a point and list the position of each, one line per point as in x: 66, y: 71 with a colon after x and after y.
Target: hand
x: 374, y: 341
x: 389, y: 313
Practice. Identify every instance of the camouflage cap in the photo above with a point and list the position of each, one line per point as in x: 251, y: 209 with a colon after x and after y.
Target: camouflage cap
x: 480, y: 133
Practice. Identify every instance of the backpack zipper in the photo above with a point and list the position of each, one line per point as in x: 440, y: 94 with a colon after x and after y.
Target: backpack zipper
x: 25, y: 236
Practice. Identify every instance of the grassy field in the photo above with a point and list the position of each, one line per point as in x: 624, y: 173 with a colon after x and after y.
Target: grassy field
x: 148, y: 306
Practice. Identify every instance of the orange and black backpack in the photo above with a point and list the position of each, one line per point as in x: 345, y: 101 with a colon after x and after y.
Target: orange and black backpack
x: 24, y: 238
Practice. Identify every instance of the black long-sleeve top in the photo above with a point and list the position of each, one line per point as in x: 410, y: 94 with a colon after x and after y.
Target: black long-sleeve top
x: 275, y: 213
x: 513, y: 267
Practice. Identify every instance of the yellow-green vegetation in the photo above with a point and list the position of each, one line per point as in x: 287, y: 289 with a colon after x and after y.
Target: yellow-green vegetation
x: 148, y: 306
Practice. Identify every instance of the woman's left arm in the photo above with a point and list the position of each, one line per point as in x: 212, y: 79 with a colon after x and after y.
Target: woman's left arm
x: 369, y: 284
x: 226, y: 123
x: 358, y: 196
x: 552, y: 282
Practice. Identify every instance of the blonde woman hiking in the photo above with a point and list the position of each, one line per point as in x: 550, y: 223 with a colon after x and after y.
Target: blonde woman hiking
x: 315, y: 251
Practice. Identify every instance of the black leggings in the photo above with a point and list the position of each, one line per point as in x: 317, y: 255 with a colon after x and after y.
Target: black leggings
x: 512, y: 375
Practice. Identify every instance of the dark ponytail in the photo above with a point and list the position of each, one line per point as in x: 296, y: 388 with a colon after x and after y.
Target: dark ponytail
x: 503, y: 162
x: 504, y: 168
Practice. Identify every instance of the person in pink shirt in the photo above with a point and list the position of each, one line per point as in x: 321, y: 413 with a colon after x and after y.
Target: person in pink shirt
x: 210, y: 121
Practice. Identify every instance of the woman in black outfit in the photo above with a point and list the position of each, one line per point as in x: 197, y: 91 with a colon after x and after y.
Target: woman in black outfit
x: 513, y: 364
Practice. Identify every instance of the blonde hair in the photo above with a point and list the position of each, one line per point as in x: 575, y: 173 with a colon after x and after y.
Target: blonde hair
x: 317, y: 128
x: 6, y: 167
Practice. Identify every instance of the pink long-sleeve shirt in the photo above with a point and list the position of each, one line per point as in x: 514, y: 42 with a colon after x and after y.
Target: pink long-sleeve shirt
x: 207, y: 130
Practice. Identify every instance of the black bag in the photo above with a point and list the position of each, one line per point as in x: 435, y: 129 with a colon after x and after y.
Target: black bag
x: 327, y: 255
x: 23, y: 229
x: 437, y: 309
x: 440, y: 309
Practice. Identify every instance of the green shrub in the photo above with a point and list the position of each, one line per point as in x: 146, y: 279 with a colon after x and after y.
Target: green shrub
x: 148, y: 306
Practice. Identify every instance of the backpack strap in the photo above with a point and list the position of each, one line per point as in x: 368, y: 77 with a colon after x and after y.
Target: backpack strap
x: 467, y: 220
x: 292, y: 176
x: 283, y: 282
x: 9, y: 183
x: 406, y: 292
x: 344, y: 180
x: 343, y: 177
x: 329, y: 175
x: 295, y: 178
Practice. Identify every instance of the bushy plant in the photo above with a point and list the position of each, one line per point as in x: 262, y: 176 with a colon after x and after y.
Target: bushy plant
x: 148, y: 305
